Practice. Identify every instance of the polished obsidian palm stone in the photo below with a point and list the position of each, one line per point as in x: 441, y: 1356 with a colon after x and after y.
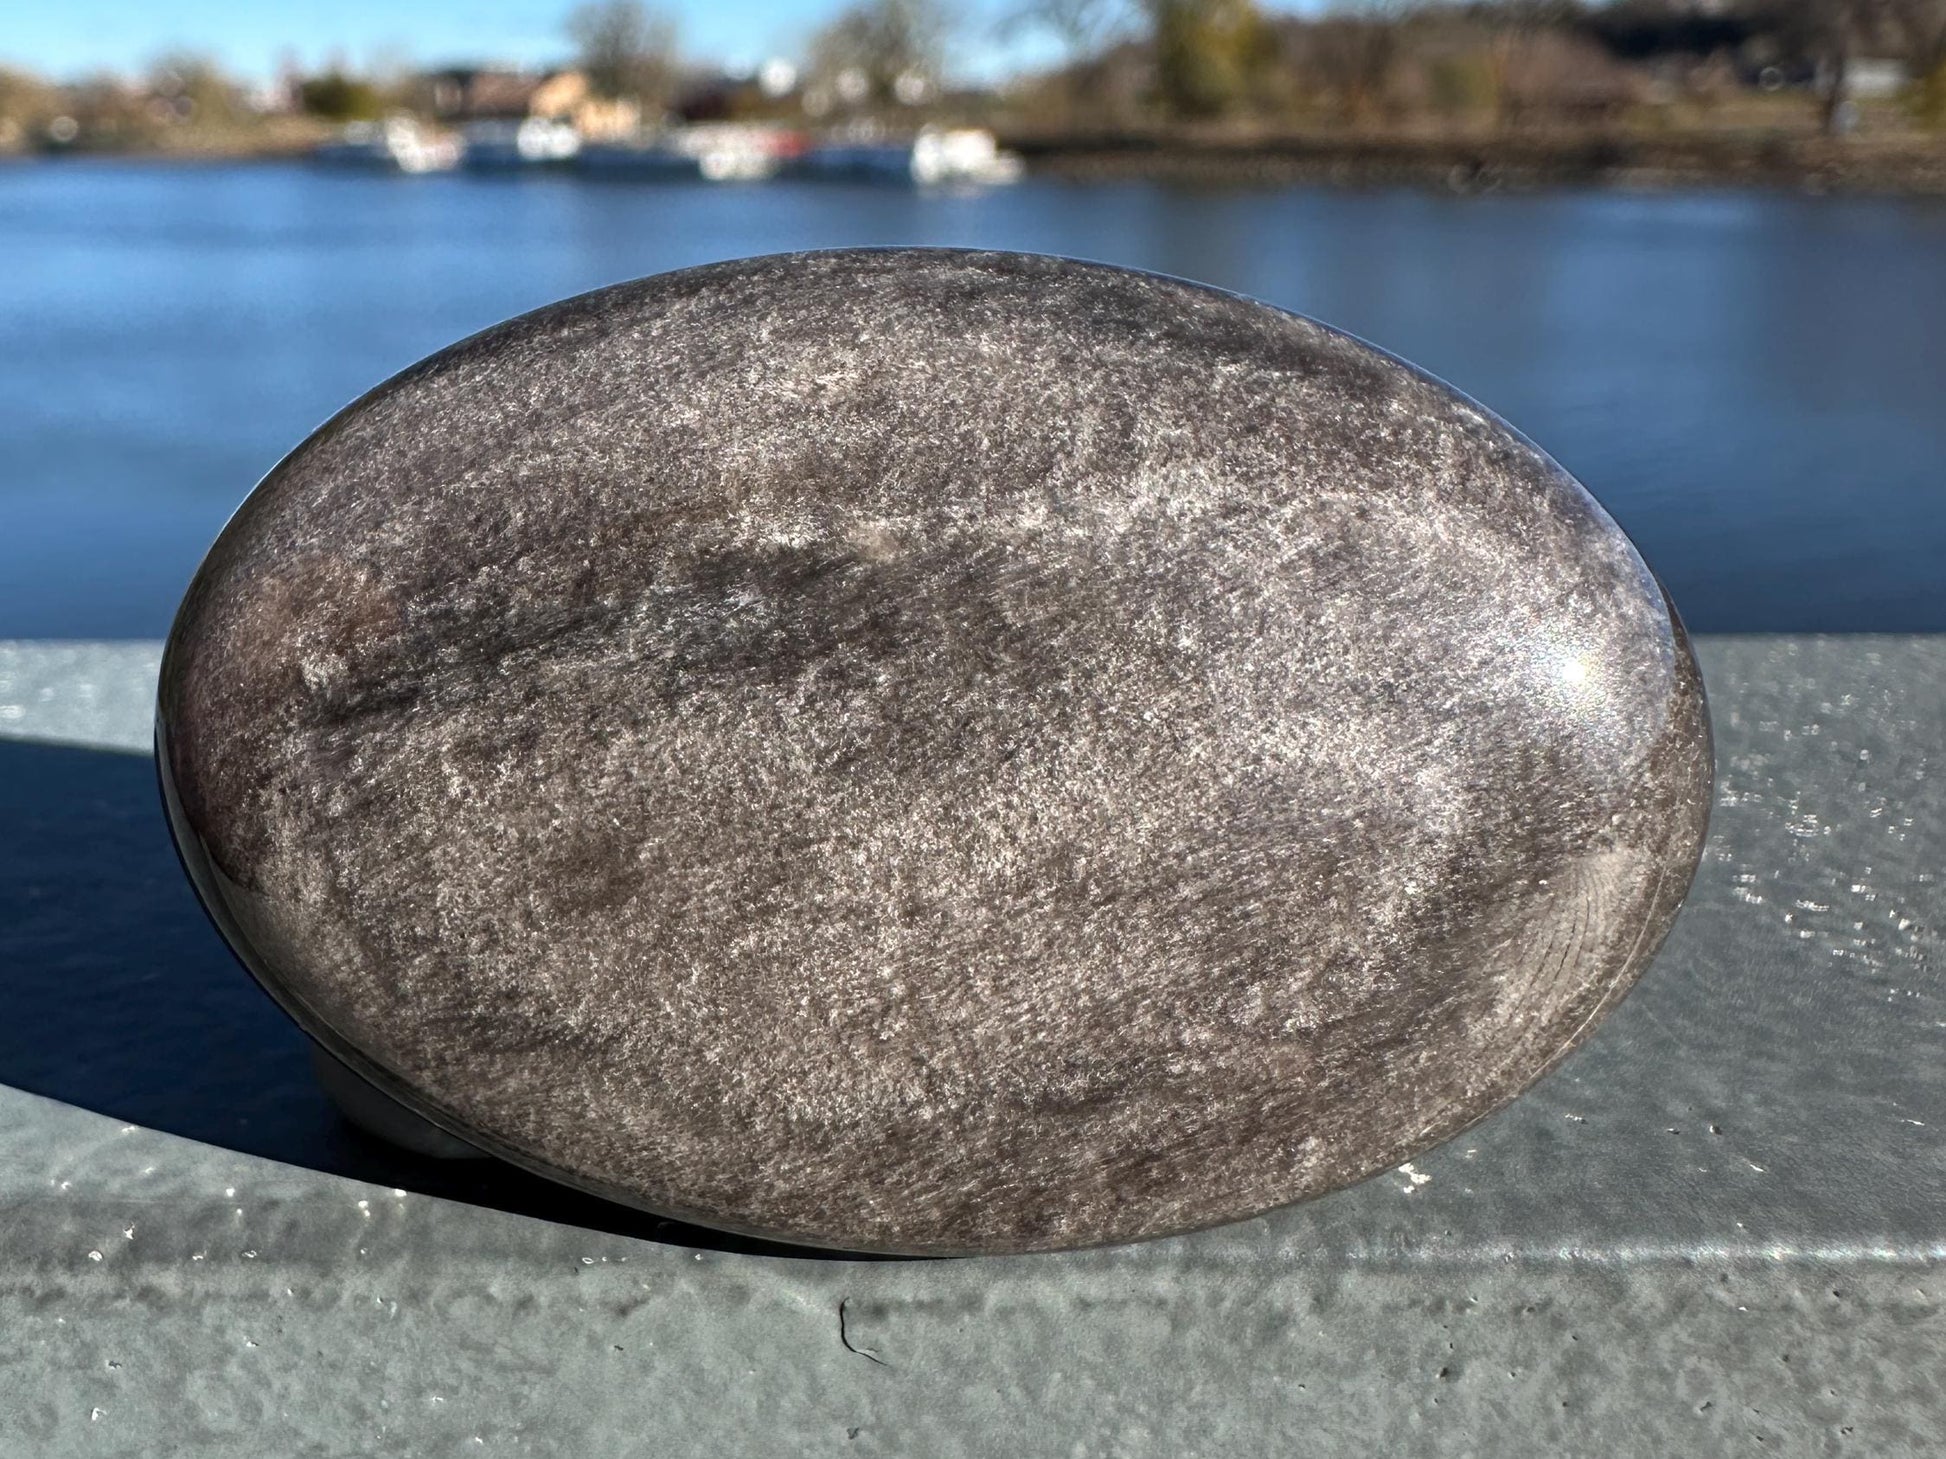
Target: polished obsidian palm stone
x: 934, y: 751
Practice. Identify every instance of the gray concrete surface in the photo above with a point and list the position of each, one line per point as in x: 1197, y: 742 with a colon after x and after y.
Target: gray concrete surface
x: 1716, y: 1229
x: 97, y: 695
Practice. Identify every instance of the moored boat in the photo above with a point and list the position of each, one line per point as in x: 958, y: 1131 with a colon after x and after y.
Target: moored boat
x: 738, y: 151
x: 530, y: 142
x: 711, y: 151
x: 397, y: 144
x: 936, y: 156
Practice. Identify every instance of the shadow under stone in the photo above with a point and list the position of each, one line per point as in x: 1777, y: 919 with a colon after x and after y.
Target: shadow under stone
x: 117, y: 995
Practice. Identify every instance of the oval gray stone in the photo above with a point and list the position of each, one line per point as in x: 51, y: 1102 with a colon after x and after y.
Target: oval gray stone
x: 934, y: 752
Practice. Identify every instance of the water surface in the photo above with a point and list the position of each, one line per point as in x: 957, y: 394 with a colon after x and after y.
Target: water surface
x: 1754, y: 384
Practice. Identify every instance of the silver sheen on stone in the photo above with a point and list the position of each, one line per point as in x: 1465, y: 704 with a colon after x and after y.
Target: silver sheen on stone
x: 934, y: 752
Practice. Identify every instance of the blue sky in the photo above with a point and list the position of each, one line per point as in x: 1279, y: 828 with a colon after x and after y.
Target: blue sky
x: 71, y: 36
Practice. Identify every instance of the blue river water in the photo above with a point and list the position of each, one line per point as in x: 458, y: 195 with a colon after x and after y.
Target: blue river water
x: 1754, y: 384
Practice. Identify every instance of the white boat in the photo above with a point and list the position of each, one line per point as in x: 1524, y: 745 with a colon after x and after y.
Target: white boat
x: 937, y: 156
x: 711, y: 151
x: 530, y: 142
x: 397, y: 144
x: 737, y: 151
x: 961, y: 154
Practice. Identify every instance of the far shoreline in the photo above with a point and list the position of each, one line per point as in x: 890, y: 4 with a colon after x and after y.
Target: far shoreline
x: 1895, y: 166
x: 1900, y: 165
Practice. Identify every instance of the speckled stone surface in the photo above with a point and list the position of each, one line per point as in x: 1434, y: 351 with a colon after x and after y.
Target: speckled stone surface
x: 934, y: 752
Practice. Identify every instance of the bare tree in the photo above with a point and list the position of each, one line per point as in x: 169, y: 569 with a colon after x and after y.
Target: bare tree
x: 1921, y: 25
x: 1831, y: 23
x: 193, y: 88
x: 1518, y: 29
x: 1205, y: 52
x: 1822, y: 34
x: 627, y: 51
x: 1080, y: 27
x: 1354, y: 49
x: 25, y: 101
x: 884, y: 51
x: 1084, y: 30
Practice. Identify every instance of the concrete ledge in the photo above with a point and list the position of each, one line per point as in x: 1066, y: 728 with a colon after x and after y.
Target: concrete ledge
x: 1718, y: 1226
x: 99, y: 695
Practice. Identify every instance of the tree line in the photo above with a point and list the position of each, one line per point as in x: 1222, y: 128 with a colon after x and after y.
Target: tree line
x: 1121, y: 64
x: 1374, y: 62
x: 1359, y: 61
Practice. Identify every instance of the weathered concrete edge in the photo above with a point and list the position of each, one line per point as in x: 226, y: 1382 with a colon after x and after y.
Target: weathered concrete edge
x: 162, y: 1296
x: 93, y: 694
x: 67, y: 1169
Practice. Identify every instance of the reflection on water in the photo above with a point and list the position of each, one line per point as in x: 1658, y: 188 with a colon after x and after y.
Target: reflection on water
x: 1755, y: 385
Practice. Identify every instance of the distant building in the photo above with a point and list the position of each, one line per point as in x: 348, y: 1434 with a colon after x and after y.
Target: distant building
x: 482, y: 94
x: 486, y: 94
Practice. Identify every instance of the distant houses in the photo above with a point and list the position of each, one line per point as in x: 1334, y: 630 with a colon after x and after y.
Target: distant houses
x: 462, y: 95
x: 721, y: 128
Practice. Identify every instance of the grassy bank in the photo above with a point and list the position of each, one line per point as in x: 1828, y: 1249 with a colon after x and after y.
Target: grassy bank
x: 1895, y: 163
x: 1899, y: 164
